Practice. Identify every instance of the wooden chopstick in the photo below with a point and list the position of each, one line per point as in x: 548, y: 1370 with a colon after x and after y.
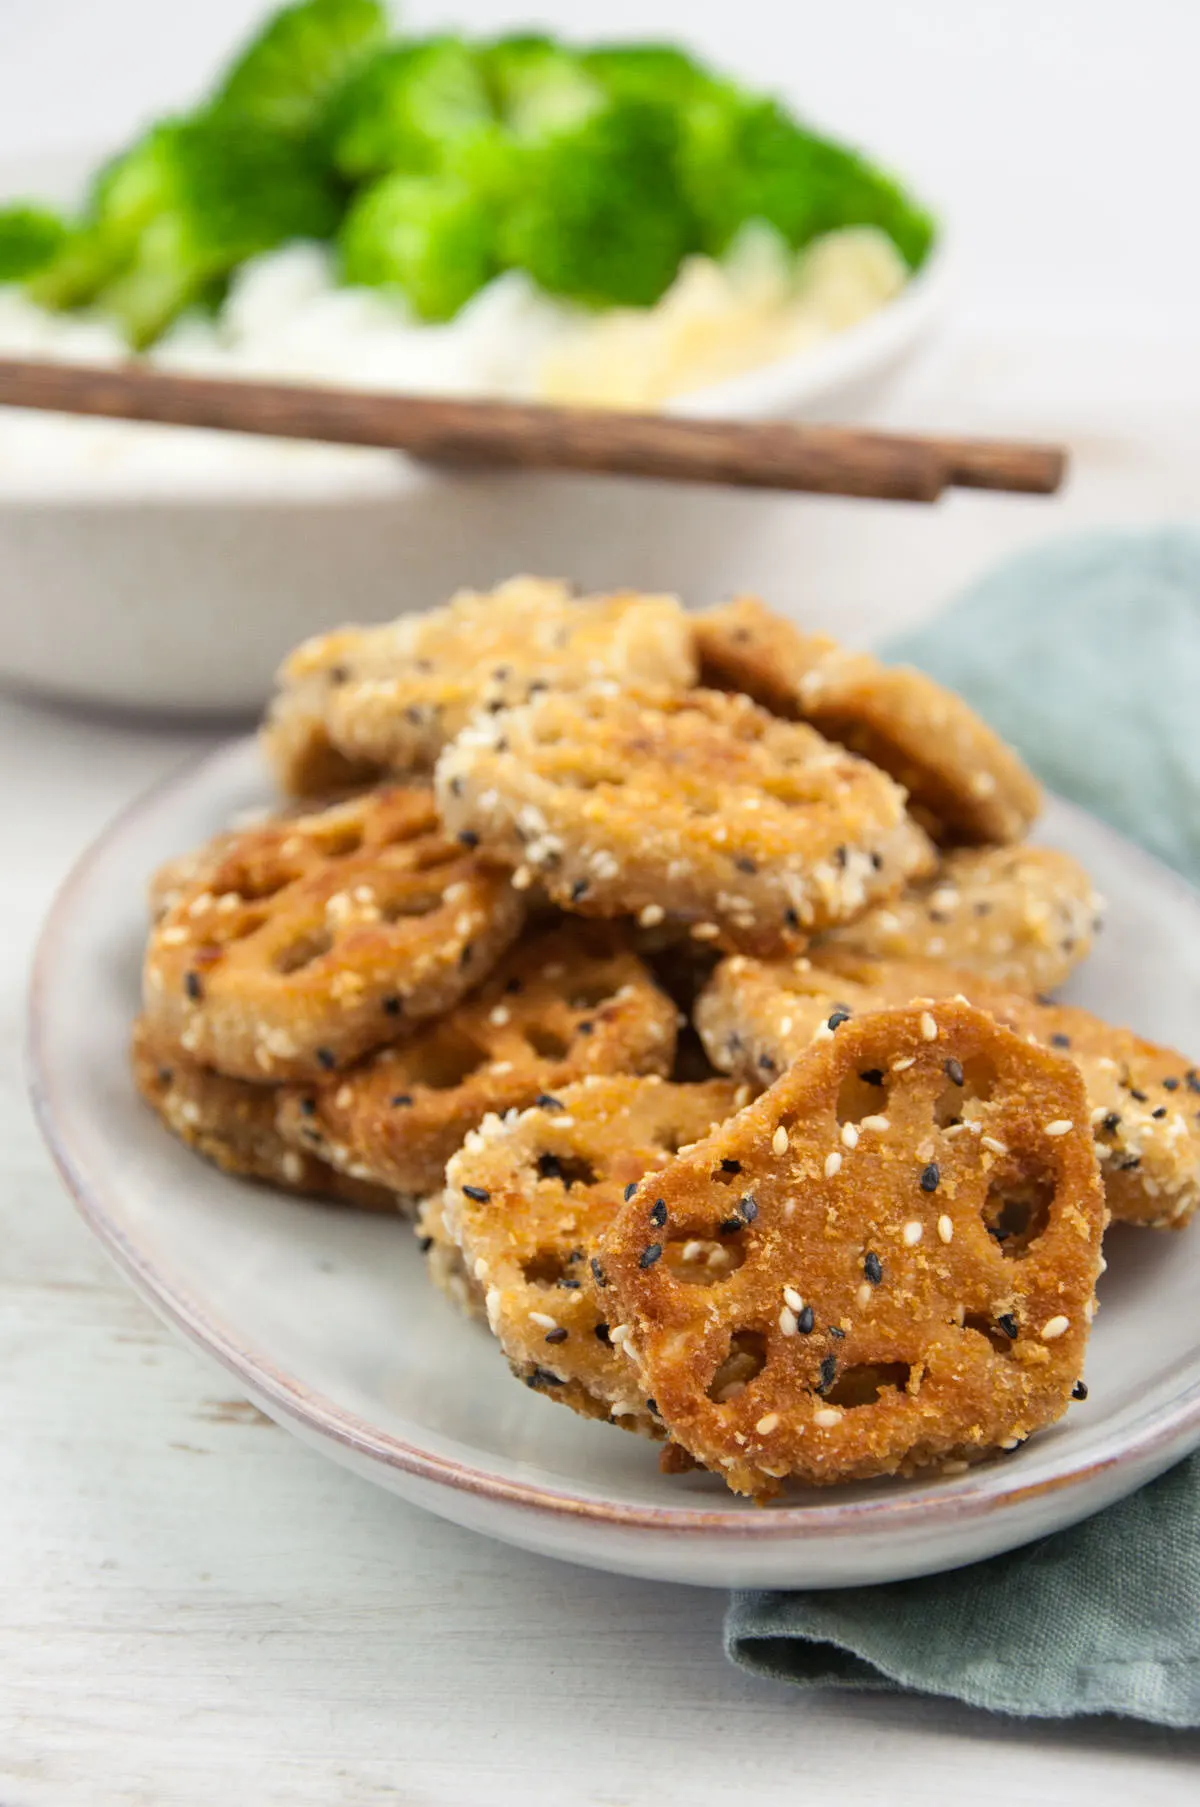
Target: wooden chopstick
x: 833, y: 461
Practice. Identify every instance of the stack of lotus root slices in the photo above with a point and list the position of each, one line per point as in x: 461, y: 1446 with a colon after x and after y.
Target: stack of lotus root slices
x: 683, y: 979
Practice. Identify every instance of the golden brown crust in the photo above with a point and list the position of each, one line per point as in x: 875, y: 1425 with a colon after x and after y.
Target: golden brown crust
x: 527, y: 1200
x: 300, y: 945
x: 756, y: 1017
x: 872, y: 1324
x: 699, y: 809
x: 1022, y: 916
x: 366, y: 700
x: 232, y: 1124
x: 565, y: 1002
x: 964, y: 782
x: 444, y: 1261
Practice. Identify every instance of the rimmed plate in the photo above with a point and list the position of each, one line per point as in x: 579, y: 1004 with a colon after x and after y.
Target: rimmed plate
x: 328, y: 1324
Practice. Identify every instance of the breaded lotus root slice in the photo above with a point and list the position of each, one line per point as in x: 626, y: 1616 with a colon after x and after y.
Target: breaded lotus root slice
x: 311, y: 942
x: 756, y: 1017
x: 564, y: 1003
x: 389, y: 698
x: 527, y: 1200
x: 964, y: 782
x: 699, y: 809
x: 865, y: 1321
x: 232, y: 1124
x: 1022, y: 916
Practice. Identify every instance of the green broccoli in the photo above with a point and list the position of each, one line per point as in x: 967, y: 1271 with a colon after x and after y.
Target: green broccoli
x: 29, y: 237
x: 285, y: 75
x: 655, y: 72
x: 744, y: 158
x: 411, y: 108
x: 178, y: 212
x: 537, y: 86
x: 430, y: 236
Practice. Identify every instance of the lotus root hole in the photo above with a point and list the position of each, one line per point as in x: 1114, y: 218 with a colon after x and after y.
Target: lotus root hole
x: 703, y: 1260
x: 1017, y: 1211
x: 746, y: 1359
x: 568, y: 1169
x: 301, y: 953
x: 864, y: 1384
x: 979, y: 1083
x: 336, y: 841
x: 587, y: 996
x: 396, y: 908
x: 860, y: 1097
x: 545, y: 1267
x: 448, y: 1061
x: 546, y: 1043
x: 1001, y: 1342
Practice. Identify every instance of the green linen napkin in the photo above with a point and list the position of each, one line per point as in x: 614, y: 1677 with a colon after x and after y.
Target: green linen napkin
x: 1086, y: 655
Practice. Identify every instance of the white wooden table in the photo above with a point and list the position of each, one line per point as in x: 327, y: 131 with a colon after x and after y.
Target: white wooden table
x: 195, y: 1609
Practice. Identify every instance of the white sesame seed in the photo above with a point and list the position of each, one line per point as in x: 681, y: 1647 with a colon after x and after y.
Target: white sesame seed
x: 1054, y: 1328
x: 832, y: 1164
x: 955, y: 1467
x: 789, y: 1209
x: 1011, y: 1443
x: 1061, y: 1126
x: 823, y: 1033
x: 787, y: 1323
x: 913, y: 1233
x: 522, y: 878
x: 929, y: 1028
x: 849, y: 1135
x: 618, y: 1333
x: 881, y: 1124
x: 293, y: 1167
x: 902, y: 1065
x: 651, y: 915
x: 705, y: 931
x: 499, y: 1016
x: 996, y: 1146
x: 692, y: 1251
x: 173, y: 936
x: 779, y: 1141
x: 1090, y: 1309
x: 544, y: 1319
x: 827, y: 1417
x: 945, y: 1228
x: 767, y: 1423
x: 793, y: 1298
x: 862, y: 1297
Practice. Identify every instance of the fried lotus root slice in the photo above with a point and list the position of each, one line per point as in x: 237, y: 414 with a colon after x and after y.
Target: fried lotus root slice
x: 566, y: 1002
x: 870, y: 1323
x: 375, y: 699
x: 527, y: 1200
x: 701, y: 809
x: 232, y: 1124
x: 309, y: 942
x: 756, y: 1017
x: 1022, y: 916
x: 964, y: 782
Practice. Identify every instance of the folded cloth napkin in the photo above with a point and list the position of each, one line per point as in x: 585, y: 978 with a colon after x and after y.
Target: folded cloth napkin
x: 1086, y: 655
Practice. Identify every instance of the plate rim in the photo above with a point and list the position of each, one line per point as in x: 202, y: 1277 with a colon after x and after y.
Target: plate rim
x: 315, y: 1414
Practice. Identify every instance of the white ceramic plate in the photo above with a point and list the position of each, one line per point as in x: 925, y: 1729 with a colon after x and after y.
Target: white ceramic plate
x: 326, y: 1320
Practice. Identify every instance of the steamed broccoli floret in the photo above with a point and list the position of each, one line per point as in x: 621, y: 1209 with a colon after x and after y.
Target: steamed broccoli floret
x: 537, y: 86
x: 430, y: 236
x: 657, y: 72
x: 178, y: 212
x: 747, y: 159
x: 411, y: 108
x: 598, y: 215
x: 285, y: 75
x: 29, y: 238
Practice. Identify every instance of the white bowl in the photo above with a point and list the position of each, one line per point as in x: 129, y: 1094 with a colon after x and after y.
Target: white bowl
x: 325, y: 1318
x: 181, y: 589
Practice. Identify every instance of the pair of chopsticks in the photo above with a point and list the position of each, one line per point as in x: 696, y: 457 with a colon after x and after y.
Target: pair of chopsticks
x: 831, y: 461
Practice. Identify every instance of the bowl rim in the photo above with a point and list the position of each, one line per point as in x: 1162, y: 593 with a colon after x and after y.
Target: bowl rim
x: 1172, y: 1426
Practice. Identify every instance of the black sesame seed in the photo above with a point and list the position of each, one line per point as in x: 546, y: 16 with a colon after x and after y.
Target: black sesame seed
x: 308, y: 1107
x: 513, y: 987
x: 602, y: 1336
x: 872, y: 1076
x: 652, y: 1406
x: 469, y: 838
x: 1170, y: 1085
x: 840, y: 856
x: 584, y: 1028
x: 578, y: 889
x: 571, y: 1285
x: 805, y: 1320
x: 194, y: 986
x: 836, y: 1330
x: 542, y: 1377
x: 745, y: 865
x: 456, y: 786
x: 326, y: 1058
x: 828, y: 1373
x: 838, y: 1018
x: 930, y: 1176
x: 1140, y: 1096
x: 748, y: 1207
x: 1129, y: 1164
x: 872, y: 1267
x: 1060, y: 1041
x: 658, y: 1212
x: 413, y: 713
x: 1192, y: 1080
x: 953, y: 1069
x: 424, y: 1243
x: 766, y: 1063
x: 549, y: 1167
x: 165, y: 1076
x: 729, y: 1226
x: 598, y: 1273
x: 392, y: 1006
x: 877, y: 861
x: 547, y: 1102
x: 1079, y: 1390
x: 338, y: 674
x: 557, y: 1335
x: 1008, y: 1324
x: 791, y: 919
x: 650, y: 1254
x: 729, y: 1166
x: 401, y: 1098
x: 630, y: 1189
x: 1161, y: 1111
x: 479, y: 1193
x: 1111, y: 1124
